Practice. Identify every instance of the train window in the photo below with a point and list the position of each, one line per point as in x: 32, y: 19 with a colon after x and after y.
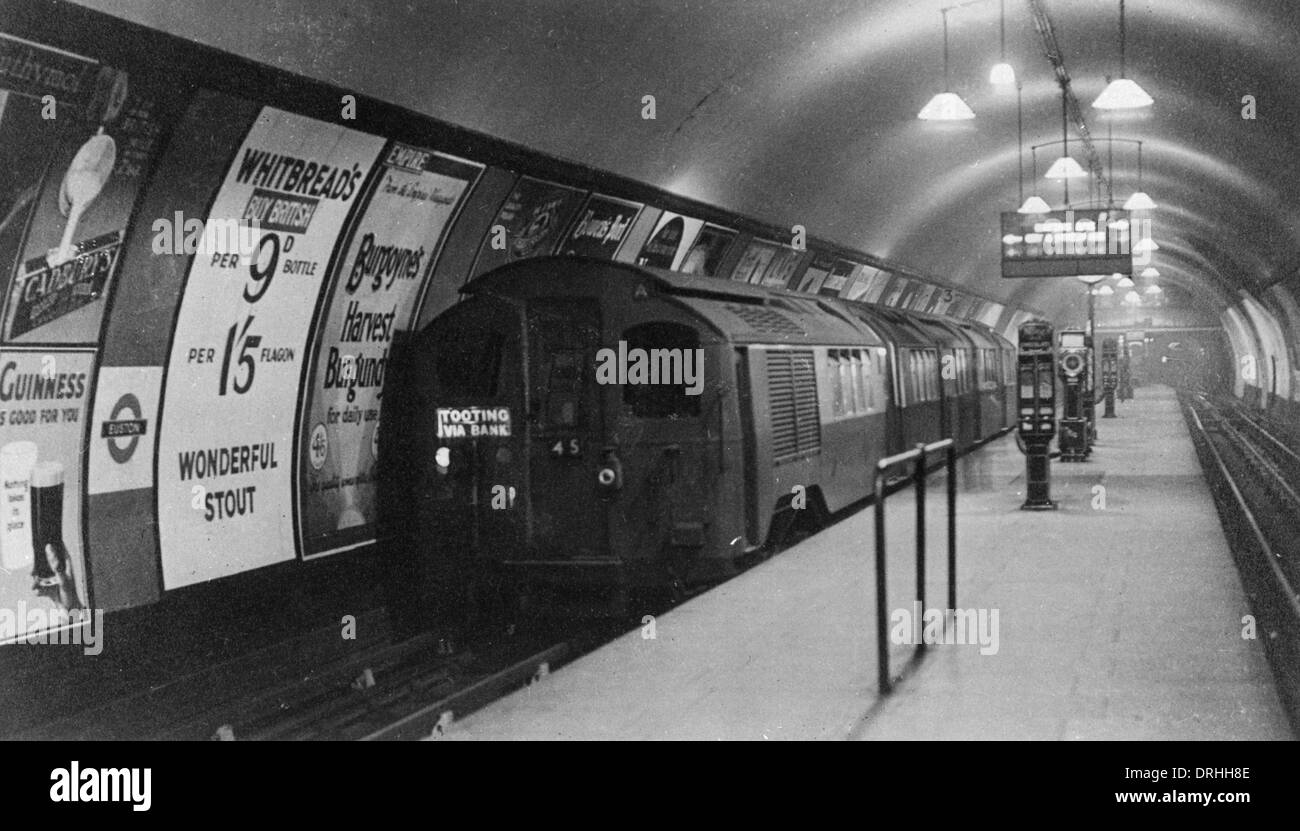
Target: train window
x: 859, y: 382
x: 846, y: 381
x: 836, y: 379
x: 673, y: 348
x: 468, y: 362
x: 563, y: 333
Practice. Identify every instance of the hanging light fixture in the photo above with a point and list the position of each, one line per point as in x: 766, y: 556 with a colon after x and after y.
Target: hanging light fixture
x: 1153, y: 289
x: 1144, y: 246
x: 1139, y: 201
x: 947, y: 105
x: 1133, y: 297
x: 1065, y: 167
x: 1122, y: 93
x: 1125, y: 283
x: 1149, y: 272
x: 1035, y: 203
x: 1002, y: 75
x: 1105, y: 291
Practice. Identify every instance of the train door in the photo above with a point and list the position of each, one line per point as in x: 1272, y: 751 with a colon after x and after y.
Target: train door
x: 663, y: 443
x: 566, y: 423
x: 469, y: 440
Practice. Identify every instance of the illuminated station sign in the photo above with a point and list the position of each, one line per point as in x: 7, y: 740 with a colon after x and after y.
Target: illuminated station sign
x: 1066, y: 243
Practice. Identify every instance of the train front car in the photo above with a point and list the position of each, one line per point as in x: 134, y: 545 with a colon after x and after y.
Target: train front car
x: 582, y: 430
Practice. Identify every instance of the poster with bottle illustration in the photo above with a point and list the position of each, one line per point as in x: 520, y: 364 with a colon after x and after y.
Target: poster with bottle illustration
x: 374, y: 292
x: 43, y: 396
x: 528, y: 224
x: 226, y: 429
x: 100, y: 147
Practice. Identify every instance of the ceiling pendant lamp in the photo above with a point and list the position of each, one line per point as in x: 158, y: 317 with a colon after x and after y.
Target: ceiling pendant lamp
x: 1125, y: 283
x: 1122, y: 93
x: 1002, y: 74
x: 1105, y: 291
x: 1153, y: 289
x: 1149, y: 272
x: 1035, y: 203
x: 947, y: 105
x: 1144, y: 246
x: 1133, y: 297
x: 1065, y: 168
x: 1139, y: 201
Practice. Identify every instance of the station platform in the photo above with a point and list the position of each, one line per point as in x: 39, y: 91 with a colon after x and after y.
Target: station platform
x: 1119, y: 616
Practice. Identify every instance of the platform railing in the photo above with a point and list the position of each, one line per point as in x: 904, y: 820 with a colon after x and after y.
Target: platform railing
x: 918, y: 456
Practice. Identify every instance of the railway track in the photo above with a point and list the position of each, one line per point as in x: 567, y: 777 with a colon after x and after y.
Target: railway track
x: 1254, y: 475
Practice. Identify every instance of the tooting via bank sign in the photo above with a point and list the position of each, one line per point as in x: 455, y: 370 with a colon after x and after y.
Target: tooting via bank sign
x: 472, y: 422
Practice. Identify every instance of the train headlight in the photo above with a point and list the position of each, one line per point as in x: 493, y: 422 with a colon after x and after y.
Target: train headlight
x: 442, y: 458
x: 607, y: 477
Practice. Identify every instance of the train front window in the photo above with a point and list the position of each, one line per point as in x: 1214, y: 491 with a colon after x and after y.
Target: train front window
x: 467, y: 361
x: 563, y: 334
x: 673, y: 376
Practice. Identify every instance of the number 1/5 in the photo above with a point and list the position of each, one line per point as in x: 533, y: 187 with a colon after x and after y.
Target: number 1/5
x: 250, y: 342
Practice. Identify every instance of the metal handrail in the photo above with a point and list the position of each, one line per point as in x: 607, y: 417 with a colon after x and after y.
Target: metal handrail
x: 918, y: 455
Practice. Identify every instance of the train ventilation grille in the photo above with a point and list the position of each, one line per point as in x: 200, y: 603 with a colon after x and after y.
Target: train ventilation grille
x: 765, y: 320
x: 792, y: 396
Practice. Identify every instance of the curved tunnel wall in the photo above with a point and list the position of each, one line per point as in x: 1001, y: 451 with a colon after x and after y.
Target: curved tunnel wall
x: 208, y: 400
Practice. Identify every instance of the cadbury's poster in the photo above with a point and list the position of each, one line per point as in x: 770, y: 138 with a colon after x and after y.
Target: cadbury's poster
x: 375, y: 290
x: 109, y: 127
x: 225, y: 441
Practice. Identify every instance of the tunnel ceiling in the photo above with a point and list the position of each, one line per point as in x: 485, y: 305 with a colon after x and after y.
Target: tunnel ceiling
x: 805, y: 112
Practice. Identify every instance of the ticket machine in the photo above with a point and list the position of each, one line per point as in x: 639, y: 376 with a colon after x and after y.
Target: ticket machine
x: 1036, y: 409
x: 1072, y: 361
x: 1109, y: 374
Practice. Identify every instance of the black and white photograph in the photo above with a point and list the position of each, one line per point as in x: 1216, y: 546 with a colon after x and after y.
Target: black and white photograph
x: 651, y: 370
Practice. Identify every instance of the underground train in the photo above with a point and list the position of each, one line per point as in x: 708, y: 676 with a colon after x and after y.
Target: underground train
x: 605, y: 424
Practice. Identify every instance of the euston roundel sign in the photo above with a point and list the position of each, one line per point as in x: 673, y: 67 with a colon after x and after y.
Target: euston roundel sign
x: 124, y: 428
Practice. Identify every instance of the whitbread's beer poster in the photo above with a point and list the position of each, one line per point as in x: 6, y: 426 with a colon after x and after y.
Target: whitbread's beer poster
x: 42, y: 416
x: 374, y: 293
x: 225, y: 446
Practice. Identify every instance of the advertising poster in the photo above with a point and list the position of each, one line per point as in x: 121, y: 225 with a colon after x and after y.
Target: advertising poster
x: 754, y: 261
x: 781, y: 268
x: 671, y: 241
x: 225, y: 439
x: 42, y: 418
x: 531, y: 221
x: 921, y: 298
x: 897, y: 288
x: 817, y: 272
x: 877, y: 282
x: 837, y: 279
x: 56, y: 292
x: 601, y: 227
x: 374, y: 292
x: 708, y: 251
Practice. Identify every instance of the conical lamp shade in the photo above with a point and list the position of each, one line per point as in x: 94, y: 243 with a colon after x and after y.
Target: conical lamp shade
x: 1123, y: 94
x: 1153, y: 290
x: 946, y: 106
x: 1139, y: 202
x: 1105, y: 291
x: 1065, y: 168
x: 1002, y: 75
x: 1145, y: 245
x: 1133, y: 297
x: 1035, y: 205
x: 1149, y: 271
x: 1126, y: 283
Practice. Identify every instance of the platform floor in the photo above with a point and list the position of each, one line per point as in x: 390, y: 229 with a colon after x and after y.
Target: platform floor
x: 1119, y: 617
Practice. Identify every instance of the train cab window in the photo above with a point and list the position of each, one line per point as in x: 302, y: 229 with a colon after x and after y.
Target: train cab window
x: 672, y: 349
x: 846, y: 382
x: 563, y: 332
x: 467, y: 362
